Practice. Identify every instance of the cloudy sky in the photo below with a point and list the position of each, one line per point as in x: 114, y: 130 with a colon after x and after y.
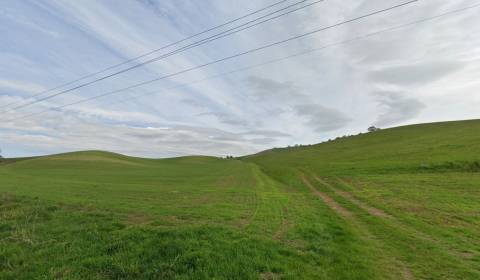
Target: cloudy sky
x: 419, y: 73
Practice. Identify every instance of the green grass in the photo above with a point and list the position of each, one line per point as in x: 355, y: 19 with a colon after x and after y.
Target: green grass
x: 97, y: 215
x: 425, y: 177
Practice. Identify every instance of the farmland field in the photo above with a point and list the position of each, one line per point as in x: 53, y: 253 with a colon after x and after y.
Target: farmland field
x: 401, y: 203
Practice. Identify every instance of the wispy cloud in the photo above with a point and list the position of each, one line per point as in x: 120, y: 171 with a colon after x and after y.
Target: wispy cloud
x: 12, y: 86
x: 404, y: 76
x: 412, y: 74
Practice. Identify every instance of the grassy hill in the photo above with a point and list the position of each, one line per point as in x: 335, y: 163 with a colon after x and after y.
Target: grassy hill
x: 411, y: 192
x: 400, y: 203
x: 424, y: 147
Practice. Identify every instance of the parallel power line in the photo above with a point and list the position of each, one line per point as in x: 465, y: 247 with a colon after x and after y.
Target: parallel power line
x: 298, y: 54
x: 223, y: 59
x: 212, y: 38
x: 152, y: 52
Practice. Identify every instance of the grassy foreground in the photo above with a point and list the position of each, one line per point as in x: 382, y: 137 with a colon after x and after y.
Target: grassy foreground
x: 401, y: 203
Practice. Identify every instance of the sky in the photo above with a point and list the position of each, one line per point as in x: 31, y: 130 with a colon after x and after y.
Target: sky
x: 343, y: 83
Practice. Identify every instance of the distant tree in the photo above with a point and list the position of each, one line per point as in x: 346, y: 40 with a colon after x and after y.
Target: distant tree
x: 1, y: 157
x: 373, y: 129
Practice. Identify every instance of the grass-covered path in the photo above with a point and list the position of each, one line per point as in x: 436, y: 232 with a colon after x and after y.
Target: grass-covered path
x: 402, y: 203
x: 406, y: 248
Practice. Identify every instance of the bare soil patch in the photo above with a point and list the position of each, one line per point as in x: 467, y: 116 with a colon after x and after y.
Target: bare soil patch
x: 328, y: 200
x: 348, y: 196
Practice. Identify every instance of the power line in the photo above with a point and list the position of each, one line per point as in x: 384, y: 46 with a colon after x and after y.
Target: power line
x: 222, y: 59
x: 192, y: 45
x: 309, y: 51
x: 153, y: 51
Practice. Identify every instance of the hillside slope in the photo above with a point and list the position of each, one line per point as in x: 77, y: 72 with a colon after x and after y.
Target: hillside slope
x: 412, y: 192
x: 441, y: 146
x: 97, y: 215
x: 401, y: 203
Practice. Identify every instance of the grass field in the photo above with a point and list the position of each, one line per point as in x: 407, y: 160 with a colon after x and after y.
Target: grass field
x: 400, y: 203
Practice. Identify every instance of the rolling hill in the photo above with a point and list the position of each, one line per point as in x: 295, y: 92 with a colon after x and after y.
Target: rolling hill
x: 400, y: 203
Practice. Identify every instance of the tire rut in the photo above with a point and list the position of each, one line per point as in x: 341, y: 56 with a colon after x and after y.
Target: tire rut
x: 348, y: 196
x: 404, y: 271
x: 330, y: 202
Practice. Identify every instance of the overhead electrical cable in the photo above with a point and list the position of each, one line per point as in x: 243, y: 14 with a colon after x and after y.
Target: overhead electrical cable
x: 224, y: 59
x: 302, y: 53
x: 152, y: 52
x: 212, y: 38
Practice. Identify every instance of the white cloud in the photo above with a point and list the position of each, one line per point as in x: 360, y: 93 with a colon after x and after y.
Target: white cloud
x: 22, y: 86
x: 404, y: 76
x: 397, y: 108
